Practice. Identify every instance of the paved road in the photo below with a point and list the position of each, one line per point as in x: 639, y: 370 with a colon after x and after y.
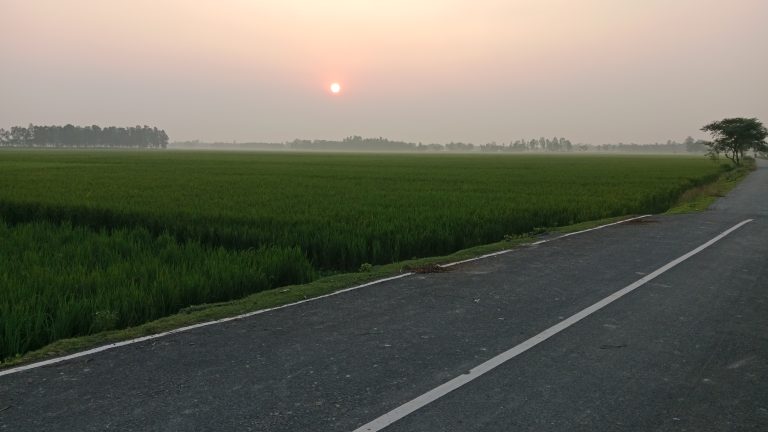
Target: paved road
x: 685, y: 351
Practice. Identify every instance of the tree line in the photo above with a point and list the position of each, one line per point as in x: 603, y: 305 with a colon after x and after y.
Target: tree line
x: 689, y: 145
x: 352, y: 143
x: 534, y: 145
x: 70, y: 136
x: 358, y: 143
x: 537, y: 145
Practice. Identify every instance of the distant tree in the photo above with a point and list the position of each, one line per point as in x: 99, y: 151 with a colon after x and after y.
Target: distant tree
x: 78, y: 136
x: 735, y: 136
x: 695, y: 146
x: 762, y: 150
x: 69, y: 136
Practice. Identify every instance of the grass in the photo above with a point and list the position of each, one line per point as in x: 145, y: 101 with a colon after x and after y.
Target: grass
x: 108, y: 240
x: 271, y: 298
x: 341, y: 210
x: 699, y: 198
x: 59, y: 280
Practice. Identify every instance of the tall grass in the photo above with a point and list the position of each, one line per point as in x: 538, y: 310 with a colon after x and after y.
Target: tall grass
x: 91, y: 241
x: 59, y: 281
x: 341, y: 210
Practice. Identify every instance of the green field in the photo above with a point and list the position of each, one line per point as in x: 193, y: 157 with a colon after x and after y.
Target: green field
x: 98, y: 240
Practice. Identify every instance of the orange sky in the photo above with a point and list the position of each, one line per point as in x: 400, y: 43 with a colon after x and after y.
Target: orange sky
x: 433, y: 71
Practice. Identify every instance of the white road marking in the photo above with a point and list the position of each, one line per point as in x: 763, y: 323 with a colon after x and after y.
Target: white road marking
x: 187, y: 328
x: 249, y: 314
x: 447, y: 387
x: 477, y: 258
x: 541, y: 242
x: 590, y: 229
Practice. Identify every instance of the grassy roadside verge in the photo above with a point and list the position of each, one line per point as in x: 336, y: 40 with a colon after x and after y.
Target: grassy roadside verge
x: 701, y: 197
x: 696, y: 199
x: 275, y: 297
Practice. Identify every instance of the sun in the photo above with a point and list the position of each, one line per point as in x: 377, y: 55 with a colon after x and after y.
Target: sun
x: 335, y: 88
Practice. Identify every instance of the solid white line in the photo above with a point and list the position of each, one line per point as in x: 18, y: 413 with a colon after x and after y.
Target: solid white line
x: 477, y: 258
x: 542, y: 241
x: 440, y: 391
x: 590, y: 229
x: 249, y: 314
x: 183, y: 329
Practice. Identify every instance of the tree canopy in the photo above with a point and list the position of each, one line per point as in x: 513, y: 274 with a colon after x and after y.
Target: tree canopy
x: 87, y: 137
x: 735, y: 136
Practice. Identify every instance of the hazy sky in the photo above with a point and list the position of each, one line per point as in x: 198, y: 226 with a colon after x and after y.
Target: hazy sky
x: 593, y: 71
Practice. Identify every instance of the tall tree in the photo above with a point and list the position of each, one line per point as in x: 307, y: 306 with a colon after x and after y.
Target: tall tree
x: 735, y: 136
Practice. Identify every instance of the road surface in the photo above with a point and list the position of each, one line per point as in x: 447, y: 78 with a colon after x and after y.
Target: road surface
x: 684, y: 351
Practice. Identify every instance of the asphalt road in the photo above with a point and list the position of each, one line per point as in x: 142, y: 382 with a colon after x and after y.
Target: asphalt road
x: 687, y: 351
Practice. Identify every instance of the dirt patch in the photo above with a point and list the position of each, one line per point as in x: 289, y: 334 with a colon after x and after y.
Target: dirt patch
x: 430, y: 268
x: 641, y: 222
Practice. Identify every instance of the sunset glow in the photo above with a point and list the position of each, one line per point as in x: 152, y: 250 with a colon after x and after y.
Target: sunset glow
x: 335, y: 88
x: 454, y: 70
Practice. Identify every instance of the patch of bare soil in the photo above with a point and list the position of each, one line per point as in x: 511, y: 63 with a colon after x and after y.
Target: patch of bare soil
x: 641, y: 221
x: 430, y: 268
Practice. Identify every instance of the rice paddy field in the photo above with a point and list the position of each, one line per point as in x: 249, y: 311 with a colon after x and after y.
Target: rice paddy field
x: 101, y: 240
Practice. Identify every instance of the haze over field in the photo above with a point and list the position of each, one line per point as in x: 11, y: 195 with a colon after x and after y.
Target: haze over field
x: 434, y: 71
